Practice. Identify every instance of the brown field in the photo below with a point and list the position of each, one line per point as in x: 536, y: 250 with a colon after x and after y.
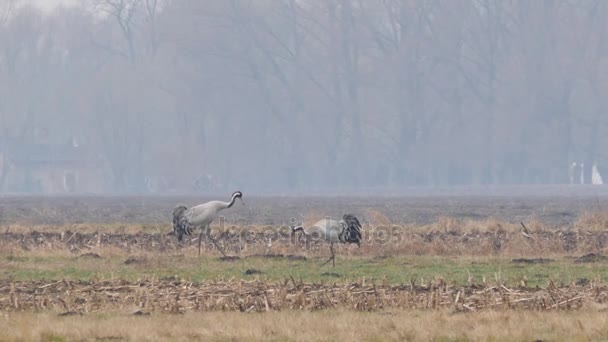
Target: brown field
x: 382, y: 238
x: 445, y: 268
x: 555, y: 208
x: 178, y: 296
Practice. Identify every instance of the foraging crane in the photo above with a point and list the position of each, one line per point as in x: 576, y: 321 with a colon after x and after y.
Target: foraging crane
x: 347, y: 230
x: 186, y: 220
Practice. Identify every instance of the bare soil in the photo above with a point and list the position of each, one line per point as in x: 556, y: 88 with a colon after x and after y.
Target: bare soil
x: 556, y: 208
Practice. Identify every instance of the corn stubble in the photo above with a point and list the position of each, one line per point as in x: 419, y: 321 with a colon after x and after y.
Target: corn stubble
x: 178, y: 296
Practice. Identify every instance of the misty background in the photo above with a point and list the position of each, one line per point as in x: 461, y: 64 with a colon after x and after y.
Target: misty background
x: 296, y: 96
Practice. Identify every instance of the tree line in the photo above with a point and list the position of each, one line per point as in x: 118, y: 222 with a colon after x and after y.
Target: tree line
x: 299, y: 95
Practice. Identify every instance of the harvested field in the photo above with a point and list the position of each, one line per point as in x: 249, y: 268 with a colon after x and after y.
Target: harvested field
x: 177, y: 296
x: 556, y: 207
x: 87, y: 261
x: 489, y: 239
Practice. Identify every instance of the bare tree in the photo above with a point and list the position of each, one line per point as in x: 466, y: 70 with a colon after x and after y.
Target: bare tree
x: 124, y: 12
x: 151, y: 9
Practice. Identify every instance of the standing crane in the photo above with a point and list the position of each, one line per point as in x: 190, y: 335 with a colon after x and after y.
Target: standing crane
x: 347, y: 230
x: 200, y: 216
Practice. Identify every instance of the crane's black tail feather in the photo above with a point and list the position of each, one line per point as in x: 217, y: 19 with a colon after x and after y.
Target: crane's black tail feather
x: 181, y: 226
x: 352, y: 231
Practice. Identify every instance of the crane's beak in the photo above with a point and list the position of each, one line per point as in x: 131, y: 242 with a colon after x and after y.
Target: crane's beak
x: 242, y: 202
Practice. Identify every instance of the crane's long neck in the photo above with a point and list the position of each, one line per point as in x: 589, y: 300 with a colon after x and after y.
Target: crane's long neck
x: 232, y: 200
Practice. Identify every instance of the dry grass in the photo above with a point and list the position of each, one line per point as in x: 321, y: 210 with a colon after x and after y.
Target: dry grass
x: 377, y: 218
x: 592, y: 221
x: 448, y: 237
x: 332, y: 325
x: 86, y: 228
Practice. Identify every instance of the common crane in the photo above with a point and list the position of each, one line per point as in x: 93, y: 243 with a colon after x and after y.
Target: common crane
x: 347, y: 230
x: 186, y: 220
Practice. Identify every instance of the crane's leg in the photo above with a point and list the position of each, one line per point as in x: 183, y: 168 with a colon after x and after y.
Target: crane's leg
x: 200, y: 238
x: 217, y: 246
x: 207, y: 229
x: 332, y: 257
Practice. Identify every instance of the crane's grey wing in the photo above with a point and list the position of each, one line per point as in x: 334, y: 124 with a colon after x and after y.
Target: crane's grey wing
x: 326, y: 229
x: 181, y: 224
x: 203, y: 214
x: 352, y: 229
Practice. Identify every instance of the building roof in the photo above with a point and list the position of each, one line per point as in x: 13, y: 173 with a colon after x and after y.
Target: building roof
x: 47, y: 154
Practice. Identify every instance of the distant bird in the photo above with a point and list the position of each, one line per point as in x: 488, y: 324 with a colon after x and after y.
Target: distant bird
x: 347, y: 230
x: 596, y: 177
x: 186, y: 220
